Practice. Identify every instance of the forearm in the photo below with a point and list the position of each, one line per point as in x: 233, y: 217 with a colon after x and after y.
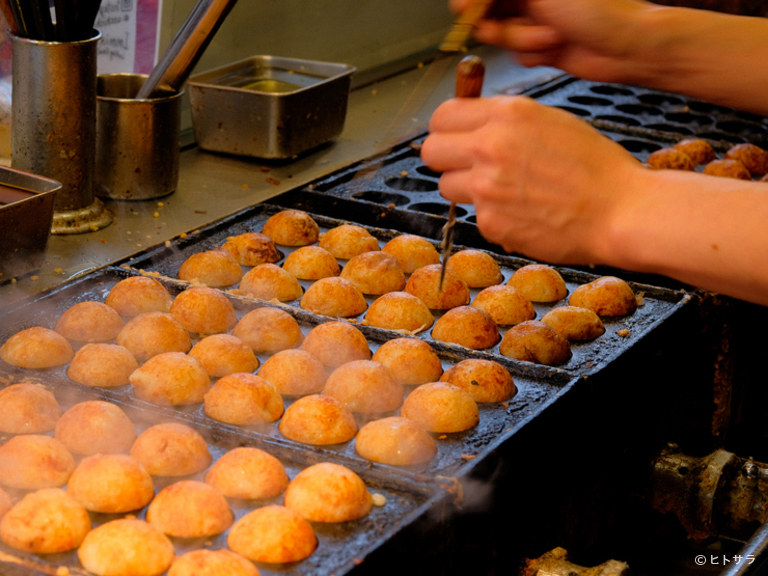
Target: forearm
x: 705, y: 231
x: 716, y: 57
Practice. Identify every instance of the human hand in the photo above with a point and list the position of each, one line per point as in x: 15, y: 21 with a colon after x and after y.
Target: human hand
x: 544, y: 183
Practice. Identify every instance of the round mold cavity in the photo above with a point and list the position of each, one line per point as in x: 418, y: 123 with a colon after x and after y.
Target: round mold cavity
x: 736, y: 127
x: 707, y: 108
x: 670, y: 128
x: 608, y: 90
x: 382, y: 197
x: 639, y: 146
x: 408, y: 184
x: 589, y: 101
x: 749, y: 117
x: 688, y: 118
x: 575, y: 111
x: 660, y: 99
x: 618, y: 119
x: 471, y: 219
x: 736, y: 139
x: 638, y: 109
x: 437, y: 208
x: 426, y: 171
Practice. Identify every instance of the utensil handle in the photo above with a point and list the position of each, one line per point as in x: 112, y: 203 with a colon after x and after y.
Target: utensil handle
x: 470, y: 74
x: 10, y: 17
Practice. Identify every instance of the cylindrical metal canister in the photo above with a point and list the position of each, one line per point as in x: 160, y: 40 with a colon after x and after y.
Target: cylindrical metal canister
x: 137, y: 140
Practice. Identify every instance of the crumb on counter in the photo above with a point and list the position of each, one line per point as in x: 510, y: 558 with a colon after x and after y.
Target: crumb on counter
x: 34, y: 278
x: 442, y: 437
x: 160, y: 204
x: 201, y: 211
x: 404, y: 173
x: 379, y: 499
x: 167, y: 243
x: 244, y: 186
x: 183, y: 235
x: 58, y: 271
x: 624, y: 333
x: 156, y: 214
x: 468, y: 456
x: 273, y: 181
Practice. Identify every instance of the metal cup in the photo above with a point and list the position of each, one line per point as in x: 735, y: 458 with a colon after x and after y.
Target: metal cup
x: 53, y: 131
x: 137, y: 141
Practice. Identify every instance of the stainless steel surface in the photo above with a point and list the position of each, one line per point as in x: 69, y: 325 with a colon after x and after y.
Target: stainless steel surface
x: 212, y: 186
x: 26, y: 212
x: 137, y: 141
x: 189, y: 43
x: 269, y: 107
x: 54, y: 115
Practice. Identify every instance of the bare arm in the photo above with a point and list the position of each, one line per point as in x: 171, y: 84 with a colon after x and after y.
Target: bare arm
x: 547, y: 185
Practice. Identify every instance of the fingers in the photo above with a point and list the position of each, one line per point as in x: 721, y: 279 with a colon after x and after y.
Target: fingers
x: 518, y: 34
x: 456, y: 185
x: 460, y: 115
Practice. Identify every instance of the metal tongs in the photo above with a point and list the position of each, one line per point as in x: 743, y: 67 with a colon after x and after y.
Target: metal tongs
x: 470, y: 74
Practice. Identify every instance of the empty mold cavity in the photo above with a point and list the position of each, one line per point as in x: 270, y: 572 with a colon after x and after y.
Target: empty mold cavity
x: 438, y: 209
x: 639, y: 146
x: 670, y: 128
x: 626, y: 120
x: 725, y: 137
x: 574, y: 110
x: 646, y: 109
x: 707, y: 108
x: 382, y: 198
x: 589, y: 101
x: 736, y: 127
x: 411, y: 184
x: 749, y: 117
x: 660, y: 99
x: 688, y: 118
x: 608, y: 90
x: 426, y: 171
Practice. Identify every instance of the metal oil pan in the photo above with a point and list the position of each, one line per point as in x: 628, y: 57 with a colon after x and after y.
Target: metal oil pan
x: 269, y: 107
x: 26, y: 215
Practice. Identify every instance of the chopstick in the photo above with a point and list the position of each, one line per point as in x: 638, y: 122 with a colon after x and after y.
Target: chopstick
x: 32, y: 19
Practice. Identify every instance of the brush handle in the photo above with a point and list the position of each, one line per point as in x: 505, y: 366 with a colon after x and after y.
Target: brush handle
x: 470, y: 74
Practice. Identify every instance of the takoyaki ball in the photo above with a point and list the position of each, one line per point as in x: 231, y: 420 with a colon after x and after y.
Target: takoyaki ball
x: 126, y: 546
x: 505, y: 304
x: 248, y: 473
x: 539, y: 283
x: 348, y: 240
x: 6, y: 503
x: 153, y: 333
x: 36, y: 347
x: 399, y: 311
x: 396, y: 441
x: 89, y: 322
x: 537, y: 342
x: 466, y: 326
x: 212, y: 563
x: 102, y: 365
x: 292, y: 228
x: 272, y: 534
x: 138, y: 294
x: 34, y: 461
x: 318, y: 420
x: 244, y: 400
x: 171, y: 449
x: 311, y: 263
x: 270, y: 282
x: 670, y: 158
x: 477, y: 268
x: 252, y: 249
x: 606, y: 296
x: 728, y: 168
x: 424, y: 283
x: 575, y: 323
x: 754, y: 158
x: 698, y: 150
x: 365, y: 386
x: 211, y: 268
x: 328, y: 492
x: 204, y: 310
x: 374, y: 273
x: 484, y: 380
x: 336, y: 343
x: 171, y: 379
x: 294, y: 372
x: 334, y: 297
x: 111, y: 483
x: 411, y: 361
x: 45, y: 522
x: 95, y: 426
x: 27, y: 408
x: 190, y: 509
x: 441, y: 408
x: 268, y: 329
x: 412, y: 252
x: 222, y: 354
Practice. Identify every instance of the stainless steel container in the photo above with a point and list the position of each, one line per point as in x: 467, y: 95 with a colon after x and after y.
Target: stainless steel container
x: 53, y: 131
x: 268, y: 106
x: 26, y: 213
x: 137, y: 141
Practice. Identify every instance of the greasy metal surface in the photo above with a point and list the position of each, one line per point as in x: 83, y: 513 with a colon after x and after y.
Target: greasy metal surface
x: 269, y: 107
x: 26, y: 213
x: 341, y: 546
